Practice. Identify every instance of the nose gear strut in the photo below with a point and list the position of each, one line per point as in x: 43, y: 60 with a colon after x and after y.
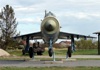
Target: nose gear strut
x: 50, y: 51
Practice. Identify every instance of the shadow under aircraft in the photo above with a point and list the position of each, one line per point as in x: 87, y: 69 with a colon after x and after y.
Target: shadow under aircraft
x: 50, y: 33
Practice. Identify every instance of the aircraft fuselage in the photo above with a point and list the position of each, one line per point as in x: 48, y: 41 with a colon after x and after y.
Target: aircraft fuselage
x: 50, y: 29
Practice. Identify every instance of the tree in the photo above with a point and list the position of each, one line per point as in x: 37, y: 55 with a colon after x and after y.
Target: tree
x: 8, y: 25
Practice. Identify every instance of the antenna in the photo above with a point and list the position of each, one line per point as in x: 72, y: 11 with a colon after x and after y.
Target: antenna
x: 45, y: 13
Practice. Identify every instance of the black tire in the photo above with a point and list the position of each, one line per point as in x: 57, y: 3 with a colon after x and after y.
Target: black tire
x: 31, y: 53
x: 50, y: 52
x: 69, y: 52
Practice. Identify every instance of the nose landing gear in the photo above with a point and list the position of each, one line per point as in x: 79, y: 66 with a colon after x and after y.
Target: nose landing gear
x: 50, y: 52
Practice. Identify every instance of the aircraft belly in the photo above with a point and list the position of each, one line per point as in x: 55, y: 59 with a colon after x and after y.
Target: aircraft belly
x: 53, y: 37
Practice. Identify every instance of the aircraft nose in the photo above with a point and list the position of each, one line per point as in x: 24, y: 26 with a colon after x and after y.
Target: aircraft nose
x: 50, y: 25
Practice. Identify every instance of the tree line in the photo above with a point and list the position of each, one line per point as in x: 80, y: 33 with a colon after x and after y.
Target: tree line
x: 79, y: 44
x: 86, y: 44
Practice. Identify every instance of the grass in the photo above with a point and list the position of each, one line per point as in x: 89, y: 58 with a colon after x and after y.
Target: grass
x: 60, y: 52
x: 50, y: 68
x: 88, y: 58
x: 17, y: 54
x: 77, y: 52
x: 86, y: 52
x: 57, y: 52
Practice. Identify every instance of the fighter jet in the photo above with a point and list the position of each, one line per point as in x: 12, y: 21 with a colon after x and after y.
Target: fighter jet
x: 50, y: 33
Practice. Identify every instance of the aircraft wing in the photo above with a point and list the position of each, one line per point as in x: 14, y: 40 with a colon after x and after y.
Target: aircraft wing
x: 36, y: 35
x: 64, y: 35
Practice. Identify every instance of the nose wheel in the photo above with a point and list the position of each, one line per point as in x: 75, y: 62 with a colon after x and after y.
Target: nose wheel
x: 50, y: 52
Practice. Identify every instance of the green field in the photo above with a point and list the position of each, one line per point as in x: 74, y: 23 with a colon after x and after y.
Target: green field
x: 60, y: 52
x: 86, y: 52
x: 17, y: 54
x: 50, y: 68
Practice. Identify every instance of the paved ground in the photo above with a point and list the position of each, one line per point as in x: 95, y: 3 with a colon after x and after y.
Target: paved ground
x: 73, y: 56
x: 32, y: 63
x: 22, y: 63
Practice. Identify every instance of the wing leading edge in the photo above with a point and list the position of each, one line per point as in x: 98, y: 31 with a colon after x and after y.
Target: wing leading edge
x: 65, y: 35
x: 36, y: 35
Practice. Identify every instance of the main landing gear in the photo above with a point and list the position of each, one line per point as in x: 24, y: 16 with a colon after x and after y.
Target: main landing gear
x: 69, y: 52
x: 71, y: 48
x: 31, y: 53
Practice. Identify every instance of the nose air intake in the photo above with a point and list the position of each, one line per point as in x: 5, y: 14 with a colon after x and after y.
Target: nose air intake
x: 49, y: 27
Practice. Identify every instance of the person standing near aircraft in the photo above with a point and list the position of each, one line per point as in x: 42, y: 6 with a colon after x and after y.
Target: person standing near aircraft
x: 38, y: 49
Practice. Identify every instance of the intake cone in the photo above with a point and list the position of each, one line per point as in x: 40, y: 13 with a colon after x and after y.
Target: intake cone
x: 50, y: 25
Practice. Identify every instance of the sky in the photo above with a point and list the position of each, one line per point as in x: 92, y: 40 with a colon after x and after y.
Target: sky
x: 74, y: 16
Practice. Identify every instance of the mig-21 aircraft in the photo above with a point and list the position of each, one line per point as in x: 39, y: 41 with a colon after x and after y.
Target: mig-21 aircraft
x: 50, y: 33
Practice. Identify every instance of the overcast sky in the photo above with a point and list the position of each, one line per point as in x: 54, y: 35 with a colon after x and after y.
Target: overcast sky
x: 74, y: 16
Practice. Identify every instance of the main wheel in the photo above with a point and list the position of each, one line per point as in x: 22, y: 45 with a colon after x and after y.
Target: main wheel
x: 31, y: 53
x: 69, y: 52
x: 50, y: 52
